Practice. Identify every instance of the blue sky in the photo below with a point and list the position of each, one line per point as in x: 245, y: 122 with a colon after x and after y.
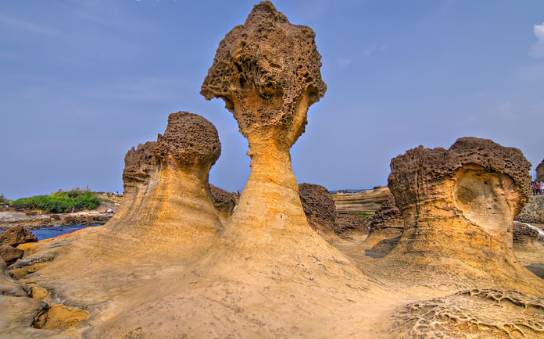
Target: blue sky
x: 83, y: 81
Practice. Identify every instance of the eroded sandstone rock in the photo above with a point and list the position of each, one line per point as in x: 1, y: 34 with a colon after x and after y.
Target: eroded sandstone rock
x: 318, y: 207
x: 10, y: 254
x: 387, y: 217
x: 458, y: 206
x: 17, y: 235
x: 167, y: 180
x: 223, y: 201
x: 481, y: 313
x: 166, y: 216
x: 268, y: 73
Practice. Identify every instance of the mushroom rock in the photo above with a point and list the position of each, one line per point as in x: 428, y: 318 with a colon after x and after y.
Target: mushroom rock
x: 540, y: 171
x: 167, y: 183
x: 166, y: 216
x: 268, y: 73
x: 458, y: 207
x: 319, y: 207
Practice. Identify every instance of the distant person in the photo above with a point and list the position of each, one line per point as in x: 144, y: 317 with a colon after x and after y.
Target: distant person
x: 537, y: 188
x: 542, y: 187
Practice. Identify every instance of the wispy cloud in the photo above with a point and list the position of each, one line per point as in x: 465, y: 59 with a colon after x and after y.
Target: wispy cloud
x: 537, y: 50
x: 27, y: 26
x: 374, y: 49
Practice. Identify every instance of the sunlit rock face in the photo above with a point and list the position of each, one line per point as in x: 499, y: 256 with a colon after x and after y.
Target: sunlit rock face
x: 166, y: 216
x: 459, y: 204
x: 166, y: 182
x: 268, y: 73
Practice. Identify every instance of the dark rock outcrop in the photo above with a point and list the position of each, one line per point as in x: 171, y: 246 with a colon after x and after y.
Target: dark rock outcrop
x: 17, y: 235
x: 387, y: 216
x: 533, y: 211
x: 347, y: 223
x: 318, y: 207
x: 223, y: 201
x: 524, y: 232
x: 540, y: 171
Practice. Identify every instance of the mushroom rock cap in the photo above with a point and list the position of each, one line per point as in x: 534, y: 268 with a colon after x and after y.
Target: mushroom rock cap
x: 189, y: 140
x: 264, y: 68
x: 415, y: 173
x: 318, y: 206
x: 140, y: 163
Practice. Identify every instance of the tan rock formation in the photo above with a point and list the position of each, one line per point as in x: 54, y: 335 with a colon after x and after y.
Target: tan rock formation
x: 167, y: 181
x: 166, y: 216
x: 458, y: 206
x: 17, y: 235
x: 268, y: 73
x: 364, y: 202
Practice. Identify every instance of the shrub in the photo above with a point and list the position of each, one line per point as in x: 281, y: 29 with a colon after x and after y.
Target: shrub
x: 59, y: 202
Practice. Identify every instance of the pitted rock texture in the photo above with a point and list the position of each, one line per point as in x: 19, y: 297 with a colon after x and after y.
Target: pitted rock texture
x: 222, y: 200
x: 525, y: 232
x: 318, y: 207
x: 348, y: 223
x: 540, y: 171
x: 478, y: 313
x: 189, y: 140
x: 387, y: 216
x: 458, y: 207
x: 263, y: 68
x: 414, y: 174
x: 17, y: 235
x: 533, y: 211
x: 10, y: 254
x: 140, y: 162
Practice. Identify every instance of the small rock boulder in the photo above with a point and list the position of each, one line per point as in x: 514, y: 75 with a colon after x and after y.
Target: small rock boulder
x: 10, y: 254
x: 17, y: 235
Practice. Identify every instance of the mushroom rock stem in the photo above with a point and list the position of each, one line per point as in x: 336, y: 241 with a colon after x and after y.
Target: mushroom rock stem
x: 270, y: 200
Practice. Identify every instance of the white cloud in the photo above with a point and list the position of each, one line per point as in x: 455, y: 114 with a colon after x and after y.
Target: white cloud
x: 27, y: 26
x: 537, y: 50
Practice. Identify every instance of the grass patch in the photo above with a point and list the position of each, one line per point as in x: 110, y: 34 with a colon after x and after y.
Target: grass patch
x: 59, y: 202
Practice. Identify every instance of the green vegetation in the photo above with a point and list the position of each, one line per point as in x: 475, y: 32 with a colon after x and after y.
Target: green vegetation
x: 59, y: 202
